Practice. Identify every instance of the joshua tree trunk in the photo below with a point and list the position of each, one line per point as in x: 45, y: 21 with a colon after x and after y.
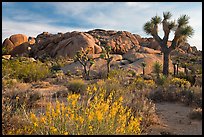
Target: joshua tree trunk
x: 174, y: 69
x: 108, y: 67
x: 85, y: 73
x: 143, y: 71
x: 166, y: 63
x: 177, y: 70
x: 186, y: 71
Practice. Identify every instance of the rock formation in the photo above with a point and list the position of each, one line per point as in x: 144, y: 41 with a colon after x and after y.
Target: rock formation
x: 128, y: 50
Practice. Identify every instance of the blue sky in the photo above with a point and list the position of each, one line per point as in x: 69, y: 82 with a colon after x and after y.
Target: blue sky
x: 32, y: 18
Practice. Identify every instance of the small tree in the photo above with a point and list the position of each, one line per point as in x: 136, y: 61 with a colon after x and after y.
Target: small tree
x: 157, y: 68
x: 85, y: 61
x: 106, y: 55
x: 143, y: 67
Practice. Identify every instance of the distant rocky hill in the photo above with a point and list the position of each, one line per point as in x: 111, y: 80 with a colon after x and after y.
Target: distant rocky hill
x: 132, y: 48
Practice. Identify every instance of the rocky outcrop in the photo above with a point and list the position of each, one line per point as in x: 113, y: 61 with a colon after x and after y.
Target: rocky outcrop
x: 120, y: 41
x: 70, y: 46
x: 15, y: 40
x: 8, y: 46
x: 21, y: 50
x: 64, y: 44
x: 149, y: 59
x: 18, y: 39
x: 131, y: 46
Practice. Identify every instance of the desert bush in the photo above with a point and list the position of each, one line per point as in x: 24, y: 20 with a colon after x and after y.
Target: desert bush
x: 173, y: 92
x: 140, y: 83
x: 196, y: 114
x: 197, y: 92
x: 8, y: 83
x: 61, y: 93
x: 77, y: 86
x: 134, y: 97
x: 162, y: 80
x: 24, y: 70
x: 57, y: 63
x: 180, y: 82
x: 157, y: 94
x: 119, y: 74
x: 157, y: 68
x: 15, y: 107
x: 192, y: 96
x: 98, y: 117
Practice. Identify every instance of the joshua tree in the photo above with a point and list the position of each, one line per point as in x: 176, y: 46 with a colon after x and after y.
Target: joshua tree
x: 106, y: 55
x: 82, y: 57
x: 143, y: 67
x: 182, y: 32
x: 157, y: 68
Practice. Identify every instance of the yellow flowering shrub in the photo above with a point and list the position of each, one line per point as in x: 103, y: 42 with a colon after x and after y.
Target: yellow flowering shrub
x: 180, y: 82
x: 96, y: 115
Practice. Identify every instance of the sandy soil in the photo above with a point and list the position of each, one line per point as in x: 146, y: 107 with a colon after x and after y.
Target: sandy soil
x: 174, y: 120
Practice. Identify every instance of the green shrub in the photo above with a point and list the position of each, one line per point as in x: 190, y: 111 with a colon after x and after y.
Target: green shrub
x: 162, y: 80
x: 61, y: 93
x: 157, y: 68
x: 77, y: 86
x: 24, y: 70
x: 157, y: 94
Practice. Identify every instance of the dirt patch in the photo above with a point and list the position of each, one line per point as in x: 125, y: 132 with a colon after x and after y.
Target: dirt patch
x: 174, y: 120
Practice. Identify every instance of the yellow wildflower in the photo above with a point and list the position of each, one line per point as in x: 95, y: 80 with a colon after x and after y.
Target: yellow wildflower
x: 81, y: 119
x: 90, y: 128
x: 120, y: 99
x: 35, y: 124
x: 53, y: 129
x: 33, y: 117
x: 99, y: 115
x: 94, y: 89
x: 66, y: 133
x: 17, y: 98
x: 43, y: 120
x: 74, y: 103
x: 90, y: 116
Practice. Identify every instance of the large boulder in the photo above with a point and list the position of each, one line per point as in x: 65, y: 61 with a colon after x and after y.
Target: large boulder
x: 15, y: 40
x: 69, y: 47
x: 8, y: 46
x: 31, y: 40
x: 138, y: 53
x: 21, y: 50
x: 120, y: 41
x: 133, y: 57
x: 18, y: 39
x: 149, y: 59
x: 150, y: 43
x: 75, y: 67
x: 148, y: 50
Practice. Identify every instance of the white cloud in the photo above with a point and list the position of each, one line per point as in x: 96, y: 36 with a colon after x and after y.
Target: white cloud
x: 32, y: 29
